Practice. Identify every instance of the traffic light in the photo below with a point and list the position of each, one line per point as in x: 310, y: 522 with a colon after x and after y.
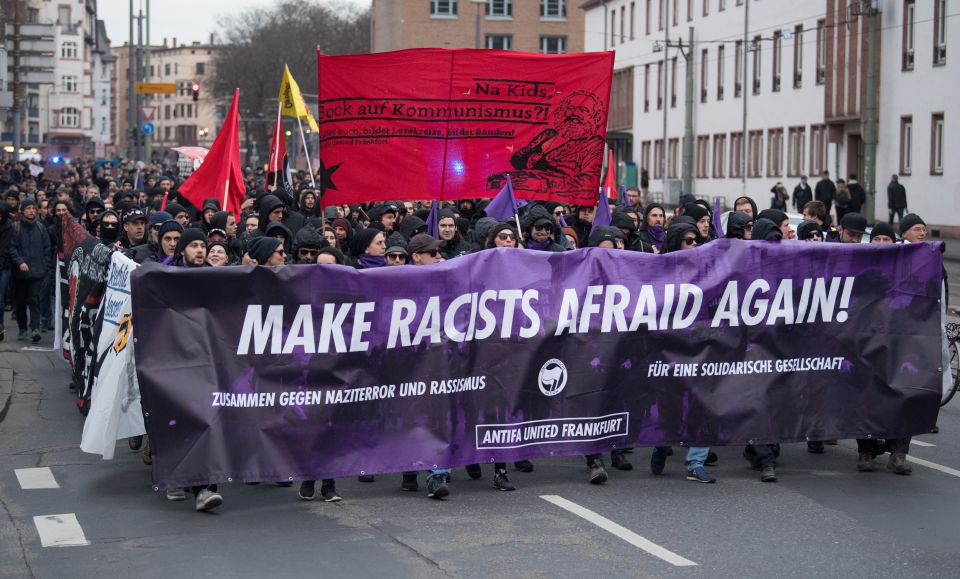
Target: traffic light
x: 195, y: 89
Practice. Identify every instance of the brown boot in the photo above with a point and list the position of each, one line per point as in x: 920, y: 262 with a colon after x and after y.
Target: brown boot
x: 145, y: 454
x: 898, y: 463
x: 865, y: 462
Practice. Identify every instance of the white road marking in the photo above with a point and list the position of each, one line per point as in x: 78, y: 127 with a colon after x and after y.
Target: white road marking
x: 60, y: 531
x: 619, y: 531
x: 934, y: 466
x: 36, y: 478
x: 921, y: 443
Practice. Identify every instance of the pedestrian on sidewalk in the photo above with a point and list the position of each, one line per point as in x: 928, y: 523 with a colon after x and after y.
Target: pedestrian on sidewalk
x: 6, y: 237
x: 896, y: 199
x: 32, y: 255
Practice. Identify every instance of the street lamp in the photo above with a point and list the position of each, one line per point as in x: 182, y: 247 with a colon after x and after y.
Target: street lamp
x: 480, y: 4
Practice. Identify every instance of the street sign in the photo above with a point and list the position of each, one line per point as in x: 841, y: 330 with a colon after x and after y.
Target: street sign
x: 156, y: 88
x: 148, y: 128
x: 147, y: 112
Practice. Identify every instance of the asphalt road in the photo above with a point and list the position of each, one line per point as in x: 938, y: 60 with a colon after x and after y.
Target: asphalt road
x: 823, y: 518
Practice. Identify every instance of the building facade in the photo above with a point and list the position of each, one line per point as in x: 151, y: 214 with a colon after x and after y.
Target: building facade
x: 178, y: 119
x: 785, y: 99
x: 544, y: 26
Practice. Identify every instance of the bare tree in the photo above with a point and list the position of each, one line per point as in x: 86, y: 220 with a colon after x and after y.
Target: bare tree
x: 258, y: 42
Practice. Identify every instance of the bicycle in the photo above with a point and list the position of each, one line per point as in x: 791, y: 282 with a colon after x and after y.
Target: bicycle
x: 953, y: 339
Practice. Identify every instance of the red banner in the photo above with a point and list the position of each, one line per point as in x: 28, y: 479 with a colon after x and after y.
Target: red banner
x: 451, y: 124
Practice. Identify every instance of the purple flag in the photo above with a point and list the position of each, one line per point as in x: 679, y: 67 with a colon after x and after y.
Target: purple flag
x: 433, y: 220
x: 504, y: 205
x: 716, y: 218
x: 602, y: 216
x: 563, y: 222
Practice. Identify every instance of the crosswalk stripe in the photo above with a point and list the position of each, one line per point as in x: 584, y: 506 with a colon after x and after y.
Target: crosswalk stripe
x: 36, y: 478
x: 60, y: 531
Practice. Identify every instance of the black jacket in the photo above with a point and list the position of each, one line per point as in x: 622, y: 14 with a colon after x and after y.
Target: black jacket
x: 896, y: 196
x: 825, y: 191
x: 801, y: 196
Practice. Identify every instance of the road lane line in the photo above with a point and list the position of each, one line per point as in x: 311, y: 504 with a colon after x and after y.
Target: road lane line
x: 60, y: 531
x: 36, y: 478
x: 619, y: 531
x: 934, y: 466
x: 920, y: 442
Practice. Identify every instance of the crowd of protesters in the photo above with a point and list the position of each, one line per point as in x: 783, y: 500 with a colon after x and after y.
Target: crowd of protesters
x: 136, y: 209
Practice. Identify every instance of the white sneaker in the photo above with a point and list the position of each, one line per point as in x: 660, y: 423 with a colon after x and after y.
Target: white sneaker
x: 176, y: 495
x: 208, y: 500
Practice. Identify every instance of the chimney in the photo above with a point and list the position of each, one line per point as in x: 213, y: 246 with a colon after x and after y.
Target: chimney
x: 174, y: 41
x: 164, y: 41
x: 211, y: 39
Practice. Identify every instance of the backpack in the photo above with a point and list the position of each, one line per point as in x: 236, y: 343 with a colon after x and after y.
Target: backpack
x: 843, y: 197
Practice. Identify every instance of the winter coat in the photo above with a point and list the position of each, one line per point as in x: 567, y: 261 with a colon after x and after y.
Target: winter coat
x: 31, y: 245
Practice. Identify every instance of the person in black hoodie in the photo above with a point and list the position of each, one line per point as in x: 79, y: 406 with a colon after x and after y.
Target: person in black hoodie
x: 540, y: 230
x: 739, y: 225
x: 454, y: 245
x: 91, y: 214
x: 766, y: 230
x: 209, y: 209
x: 651, y: 233
x: 6, y: 237
x: 306, y: 246
x: 279, y: 230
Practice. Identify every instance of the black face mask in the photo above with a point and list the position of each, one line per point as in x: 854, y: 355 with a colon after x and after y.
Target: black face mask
x: 109, y: 233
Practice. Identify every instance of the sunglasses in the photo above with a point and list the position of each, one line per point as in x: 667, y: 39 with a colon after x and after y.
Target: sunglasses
x: 689, y: 240
x: 559, y: 213
x: 431, y: 253
x: 396, y: 256
x: 280, y: 252
x: 543, y: 227
x: 506, y: 237
x: 308, y: 252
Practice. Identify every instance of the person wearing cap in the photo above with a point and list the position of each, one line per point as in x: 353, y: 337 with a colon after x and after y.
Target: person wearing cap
x: 267, y: 251
x: 331, y: 256
x: 851, y: 228
x: 540, y: 230
x: 424, y: 250
x: 809, y: 231
x: 701, y: 217
x: 781, y: 219
x: 180, y: 214
x: 385, y: 213
x: 802, y: 194
x: 191, y: 250
x: 91, y: 214
x: 883, y: 232
x: 168, y: 238
x: 31, y: 255
x: 150, y: 246
x: 504, y: 234
x: 306, y: 246
x: 134, y: 228
x: 396, y: 253
x: 913, y: 229
x: 607, y: 237
x: 368, y: 248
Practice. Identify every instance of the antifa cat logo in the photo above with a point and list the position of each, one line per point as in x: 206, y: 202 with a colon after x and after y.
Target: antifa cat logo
x: 553, y: 377
x: 124, y: 330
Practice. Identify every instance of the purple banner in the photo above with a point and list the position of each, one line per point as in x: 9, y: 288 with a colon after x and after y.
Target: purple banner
x: 307, y: 372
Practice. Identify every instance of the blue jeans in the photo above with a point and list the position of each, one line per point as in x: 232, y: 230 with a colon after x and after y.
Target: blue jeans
x: 898, y: 213
x: 696, y: 455
x: 5, y: 274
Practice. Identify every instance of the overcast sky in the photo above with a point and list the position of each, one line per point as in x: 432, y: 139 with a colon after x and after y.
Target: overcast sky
x: 188, y: 20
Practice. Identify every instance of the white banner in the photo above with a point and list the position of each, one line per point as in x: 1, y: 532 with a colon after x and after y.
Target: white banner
x: 115, y: 412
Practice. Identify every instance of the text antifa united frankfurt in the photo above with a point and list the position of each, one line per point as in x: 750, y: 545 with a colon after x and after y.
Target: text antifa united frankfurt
x: 474, y: 316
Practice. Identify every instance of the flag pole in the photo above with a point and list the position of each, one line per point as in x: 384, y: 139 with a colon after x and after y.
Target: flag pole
x: 519, y: 231
x: 306, y: 153
x: 276, y: 144
x: 226, y: 193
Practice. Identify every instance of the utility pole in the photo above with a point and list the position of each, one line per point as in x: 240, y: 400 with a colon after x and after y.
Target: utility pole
x: 131, y: 95
x: 148, y: 139
x: 870, y: 11
x: 743, y: 92
x: 15, y: 109
x: 140, y: 136
x: 689, y: 56
x: 666, y: 106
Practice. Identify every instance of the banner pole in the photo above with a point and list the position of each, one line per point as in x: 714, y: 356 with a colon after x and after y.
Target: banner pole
x: 519, y: 231
x: 226, y: 193
x: 306, y: 153
x: 276, y: 145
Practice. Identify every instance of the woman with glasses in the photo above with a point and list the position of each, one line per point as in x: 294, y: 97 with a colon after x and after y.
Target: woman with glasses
x: 503, y: 235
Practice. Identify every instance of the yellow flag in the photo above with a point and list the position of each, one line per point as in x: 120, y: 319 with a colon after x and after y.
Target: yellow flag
x: 291, y: 100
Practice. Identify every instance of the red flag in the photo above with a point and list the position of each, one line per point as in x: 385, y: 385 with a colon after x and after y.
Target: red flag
x: 220, y: 176
x: 278, y: 150
x: 454, y: 124
x: 610, y: 181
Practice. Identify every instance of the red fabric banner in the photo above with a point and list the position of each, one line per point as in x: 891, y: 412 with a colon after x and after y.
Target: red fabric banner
x: 450, y: 124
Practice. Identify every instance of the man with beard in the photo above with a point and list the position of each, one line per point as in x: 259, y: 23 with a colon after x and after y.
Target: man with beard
x: 651, y: 232
x: 564, y: 159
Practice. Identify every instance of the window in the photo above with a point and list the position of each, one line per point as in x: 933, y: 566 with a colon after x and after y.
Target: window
x: 69, y: 83
x: 817, y: 149
x: 774, y: 152
x: 798, y: 57
x: 821, y: 52
x: 936, y: 144
x: 556, y: 9
x: 613, y: 27
x: 676, y: 11
x: 443, y: 8
x: 796, y: 149
x: 703, y: 154
x: 755, y: 47
x: 645, y: 155
x: 623, y: 22
x: 499, y: 41
x: 673, y: 83
x: 909, y: 16
x: 689, y: 10
x: 658, y: 159
x: 706, y: 7
x: 201, y: 68
x: 553, y: 44
x: 663, y: 14
x: 673, y: 158
x: 166, y: 69
x: 703, y: 75
x: 633, y: 19
x: 166, y: 112
x: 719, y: 155
x: 720, y: 63
x: 737, y: 70
x: 777, y: 54
x: 906, y: 145
x: 939, y: 32
x: 68, y: 49
x: 69, y: 117
x: 166, y: 133
x: 647, y: 19
x: 736, y: 154
x: 63, y: 15
x: 756, y: 153
x: 500, y: 8
x: 722, y: 6
x: 660, y: 85
x: 646, y: 88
